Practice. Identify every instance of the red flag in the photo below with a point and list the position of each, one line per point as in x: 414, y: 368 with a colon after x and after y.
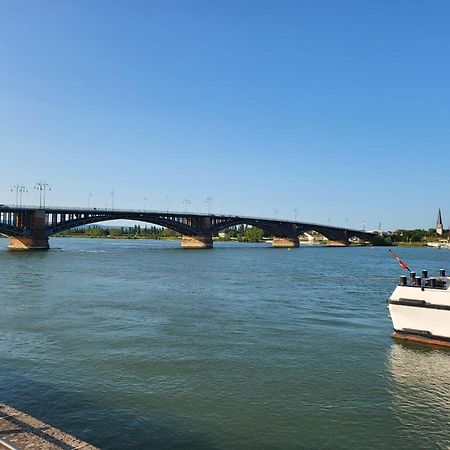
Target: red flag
x: 402, y: 263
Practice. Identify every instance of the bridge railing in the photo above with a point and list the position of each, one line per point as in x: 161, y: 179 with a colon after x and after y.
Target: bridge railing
x: 91, y: 209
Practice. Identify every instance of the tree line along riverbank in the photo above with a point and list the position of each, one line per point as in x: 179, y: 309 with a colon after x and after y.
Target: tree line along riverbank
x: 242, y: 233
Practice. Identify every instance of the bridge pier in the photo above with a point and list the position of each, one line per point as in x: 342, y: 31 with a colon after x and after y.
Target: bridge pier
x: 338, y: 243
x: 197, y: 241
x: 38, y: 238
x: 286, y: 242
x: 28, y: 243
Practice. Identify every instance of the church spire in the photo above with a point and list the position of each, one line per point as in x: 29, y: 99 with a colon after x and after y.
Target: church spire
x: 439, y: 226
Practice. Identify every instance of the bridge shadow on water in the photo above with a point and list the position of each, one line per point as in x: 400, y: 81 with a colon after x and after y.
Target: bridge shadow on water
x: 101, y: 424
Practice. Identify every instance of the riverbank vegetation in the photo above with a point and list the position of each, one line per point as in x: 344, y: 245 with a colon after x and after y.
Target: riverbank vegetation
x: 416, y: 237
x: 410, y: 238
x: 240, y: 233
x: 244, y: 233
x: 135, y: 232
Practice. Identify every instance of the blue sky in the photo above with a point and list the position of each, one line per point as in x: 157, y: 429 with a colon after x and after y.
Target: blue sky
x: 339, y: 109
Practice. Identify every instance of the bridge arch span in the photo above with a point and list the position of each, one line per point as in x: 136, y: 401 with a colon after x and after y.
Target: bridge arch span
x: 9, y: 231
x: 329, y: 234
x: 335, y: 233
x: 275, y: 229
x: 79, y: 222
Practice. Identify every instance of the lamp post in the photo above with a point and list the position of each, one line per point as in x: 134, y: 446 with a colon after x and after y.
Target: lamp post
x: 42, y: 186
x: 295, y: 214
x: 16, y: 188
x: 89, y: 201
x: 19, y: 189
x: 168, y: 203
x: 22, y: 190
x: 112, y: 200
x: 209, y: 200
x: 186, y: 202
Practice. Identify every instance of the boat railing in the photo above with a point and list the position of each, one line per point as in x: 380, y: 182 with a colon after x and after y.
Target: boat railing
x: 424, y: 281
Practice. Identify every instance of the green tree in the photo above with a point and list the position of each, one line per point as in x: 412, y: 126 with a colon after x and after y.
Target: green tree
x: 253, y: 234
x: 115, y: 232
x: 168, y: 233
x: 382, y: 241
x: 96, y: 232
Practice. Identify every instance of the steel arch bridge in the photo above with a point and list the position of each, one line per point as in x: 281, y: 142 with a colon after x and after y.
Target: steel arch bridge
x: 30, y: 227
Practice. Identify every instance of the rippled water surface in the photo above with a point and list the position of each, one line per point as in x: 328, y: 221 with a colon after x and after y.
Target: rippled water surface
x: 139, y: 344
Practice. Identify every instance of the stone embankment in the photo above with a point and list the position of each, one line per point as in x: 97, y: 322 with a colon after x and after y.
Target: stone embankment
x: 19, y: 431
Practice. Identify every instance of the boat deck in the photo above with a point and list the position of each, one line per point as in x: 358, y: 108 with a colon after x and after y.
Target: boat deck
x: 19, y: 431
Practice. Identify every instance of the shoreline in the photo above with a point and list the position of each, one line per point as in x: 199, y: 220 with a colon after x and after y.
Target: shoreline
x: 24, y: 431
x: 216, y: 239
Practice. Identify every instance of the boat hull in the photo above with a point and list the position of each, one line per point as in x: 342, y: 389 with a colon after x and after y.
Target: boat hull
x: 425, y: 323
x: 435, y: 340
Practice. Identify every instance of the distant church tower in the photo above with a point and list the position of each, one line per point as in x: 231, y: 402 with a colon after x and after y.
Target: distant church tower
x: 439, y: 226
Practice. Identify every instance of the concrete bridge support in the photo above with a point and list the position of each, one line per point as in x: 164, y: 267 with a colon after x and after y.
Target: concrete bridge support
x: 335, y: 243
x: 201, y: 240
x: 338, y: 238
x: 286, y: 242
x: 38, y: 238
x: 197, y: 241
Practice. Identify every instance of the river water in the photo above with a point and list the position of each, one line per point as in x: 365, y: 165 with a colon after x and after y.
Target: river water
x: 143, y: 345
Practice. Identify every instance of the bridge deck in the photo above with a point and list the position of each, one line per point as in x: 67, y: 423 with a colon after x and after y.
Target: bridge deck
x: 20, y: 431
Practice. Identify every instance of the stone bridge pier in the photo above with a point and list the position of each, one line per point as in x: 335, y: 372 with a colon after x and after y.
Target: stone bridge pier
x: 286, y: 242
x: 36, y: 237
x: 201, y: 240
x: 287, y: 237
x: 337, y: 243
x: 338, y: 239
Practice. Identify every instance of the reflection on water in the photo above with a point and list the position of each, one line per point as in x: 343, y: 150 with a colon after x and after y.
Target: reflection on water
x: 420, y: 386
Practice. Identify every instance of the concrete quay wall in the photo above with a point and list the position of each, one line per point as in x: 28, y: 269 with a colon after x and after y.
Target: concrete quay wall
x: 21, y: 431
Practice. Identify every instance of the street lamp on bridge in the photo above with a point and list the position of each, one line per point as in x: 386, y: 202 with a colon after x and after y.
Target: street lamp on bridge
x: 19, y: 189
x: 186, y: 202
x: 168, y: 202
x: 209, y: 200
x: 42, y: 186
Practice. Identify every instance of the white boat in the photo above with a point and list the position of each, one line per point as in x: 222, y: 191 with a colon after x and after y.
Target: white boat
x: 440, y: 244
x: 420, y: 308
